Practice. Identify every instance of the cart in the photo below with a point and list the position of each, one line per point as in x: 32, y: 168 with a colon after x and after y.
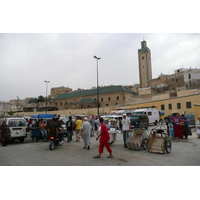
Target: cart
x: 137, y: 139
x: 112, y: 129
x: 36, y: 134
x: 159, y: 141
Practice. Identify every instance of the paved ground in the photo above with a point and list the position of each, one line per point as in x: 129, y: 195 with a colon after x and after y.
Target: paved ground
x: 184, y: 153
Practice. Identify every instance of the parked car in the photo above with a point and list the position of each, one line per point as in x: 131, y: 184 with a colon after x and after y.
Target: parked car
x: 17, y: 128
x: 191, y: 119
x: 170, y: 117
x: 139, y: 121
x: 152, y: 113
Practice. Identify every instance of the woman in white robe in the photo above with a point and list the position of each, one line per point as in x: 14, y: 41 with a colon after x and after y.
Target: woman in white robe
x: 198, y: 127
x: 86, y: 130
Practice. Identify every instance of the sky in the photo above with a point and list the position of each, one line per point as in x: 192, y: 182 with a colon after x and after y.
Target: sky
x: 63, y: 51
x: 66, y: 59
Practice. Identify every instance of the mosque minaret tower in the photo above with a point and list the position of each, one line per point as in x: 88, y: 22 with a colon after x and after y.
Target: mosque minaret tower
x: 145, y: 71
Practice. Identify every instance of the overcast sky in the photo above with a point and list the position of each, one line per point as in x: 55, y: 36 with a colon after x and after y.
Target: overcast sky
x: 26, y: 60
x: 59, y: 45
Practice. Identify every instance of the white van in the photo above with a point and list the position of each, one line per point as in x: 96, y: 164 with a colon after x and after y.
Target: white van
x: 17, y: 128
x: 152, y: 114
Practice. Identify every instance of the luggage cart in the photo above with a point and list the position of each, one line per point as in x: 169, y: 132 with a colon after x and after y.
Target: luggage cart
x: 137, y: 139
x: 159, y: 141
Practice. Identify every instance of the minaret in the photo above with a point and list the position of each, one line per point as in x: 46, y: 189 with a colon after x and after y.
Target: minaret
x: 145, y: 71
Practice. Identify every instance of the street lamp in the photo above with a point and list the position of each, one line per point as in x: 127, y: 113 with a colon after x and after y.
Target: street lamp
x: 17, y: 105
x: 46, y: 93
x: 97, y: 58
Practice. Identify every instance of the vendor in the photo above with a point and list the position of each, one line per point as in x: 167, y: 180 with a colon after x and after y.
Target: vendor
x: 177, y: 119
x: 185, y: 126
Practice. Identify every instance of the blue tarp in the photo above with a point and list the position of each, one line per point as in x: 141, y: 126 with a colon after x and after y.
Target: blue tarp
x: 161, y: 112
x: 41, y: 116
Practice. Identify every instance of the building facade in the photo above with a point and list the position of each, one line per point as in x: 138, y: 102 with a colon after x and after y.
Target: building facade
x: 59, y: 90
x: 182, y: 79
x: 108, y: 96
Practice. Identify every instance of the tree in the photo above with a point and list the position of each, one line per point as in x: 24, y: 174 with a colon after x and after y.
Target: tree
x: 41, y: 99
x: 10, y: 113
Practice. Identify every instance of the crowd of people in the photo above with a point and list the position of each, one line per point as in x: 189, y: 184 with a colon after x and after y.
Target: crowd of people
x: 84, y: 128
x: 87, y: 127
x: 180, y: 121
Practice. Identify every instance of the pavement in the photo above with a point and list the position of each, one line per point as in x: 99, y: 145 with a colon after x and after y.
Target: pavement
x: 29, y: 153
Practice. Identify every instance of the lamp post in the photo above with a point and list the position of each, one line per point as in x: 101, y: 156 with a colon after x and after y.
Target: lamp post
x: 97, y: 58
x: 46, y: 93
x: 17, y: 105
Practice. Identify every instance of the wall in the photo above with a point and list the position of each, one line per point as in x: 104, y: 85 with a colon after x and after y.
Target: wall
x: 173, y: 101
x: 88, y: 111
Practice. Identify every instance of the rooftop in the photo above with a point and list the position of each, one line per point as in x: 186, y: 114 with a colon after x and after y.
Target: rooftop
x: 102, y: 90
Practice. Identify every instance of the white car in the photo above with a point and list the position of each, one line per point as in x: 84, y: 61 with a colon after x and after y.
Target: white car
x: 17, y: 128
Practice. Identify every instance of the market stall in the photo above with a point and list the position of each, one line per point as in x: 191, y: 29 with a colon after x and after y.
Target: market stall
x: 178, y: 131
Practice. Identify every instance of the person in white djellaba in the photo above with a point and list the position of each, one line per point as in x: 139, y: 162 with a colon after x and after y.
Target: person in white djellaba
x: 86, y: 131
x: 198, y: 127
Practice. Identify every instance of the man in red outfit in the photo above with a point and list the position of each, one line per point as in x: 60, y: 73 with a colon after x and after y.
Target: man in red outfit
x: 104, y: 138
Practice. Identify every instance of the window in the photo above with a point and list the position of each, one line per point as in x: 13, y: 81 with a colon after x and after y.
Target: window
x: 162, y: 107
x: 117, y: 97
x: 170, y: 106
x: 61, y: 103
x: 178, y: 105
x: 101, y: 99
x: 142, y: 57
x: 188, y: 104
x: 108, y: 98
x: 149, y: 113
x: 176, y: 80
x: 106, y: 104
x: 189, y: 76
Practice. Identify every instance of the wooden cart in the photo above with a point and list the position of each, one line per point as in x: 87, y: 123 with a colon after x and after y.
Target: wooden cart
x: 159, y: 141
x: 137, y: 140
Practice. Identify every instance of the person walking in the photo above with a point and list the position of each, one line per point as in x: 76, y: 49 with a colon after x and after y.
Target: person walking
x: 126, y: 127
x: 78, y: 125
x: 69, y: 125
x: 86, y: 130
x: 43, y: 130
x: 104, y: 138
x: 5, y: 134
x: 171, y: 130
x: 92, y: 122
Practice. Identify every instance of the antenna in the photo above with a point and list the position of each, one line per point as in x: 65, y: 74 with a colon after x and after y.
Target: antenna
x: 143, y: 38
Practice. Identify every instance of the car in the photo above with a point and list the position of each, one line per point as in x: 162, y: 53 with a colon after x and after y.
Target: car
x: 191, y: 120
x: 139, y: 121
x: 17, y: 128
x: 170, y: 117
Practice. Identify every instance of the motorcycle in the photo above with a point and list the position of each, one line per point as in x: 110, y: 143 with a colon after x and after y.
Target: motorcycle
x: 55, y: 142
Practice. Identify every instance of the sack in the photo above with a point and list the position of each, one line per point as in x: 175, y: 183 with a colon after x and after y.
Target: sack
x: 181, y: 123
